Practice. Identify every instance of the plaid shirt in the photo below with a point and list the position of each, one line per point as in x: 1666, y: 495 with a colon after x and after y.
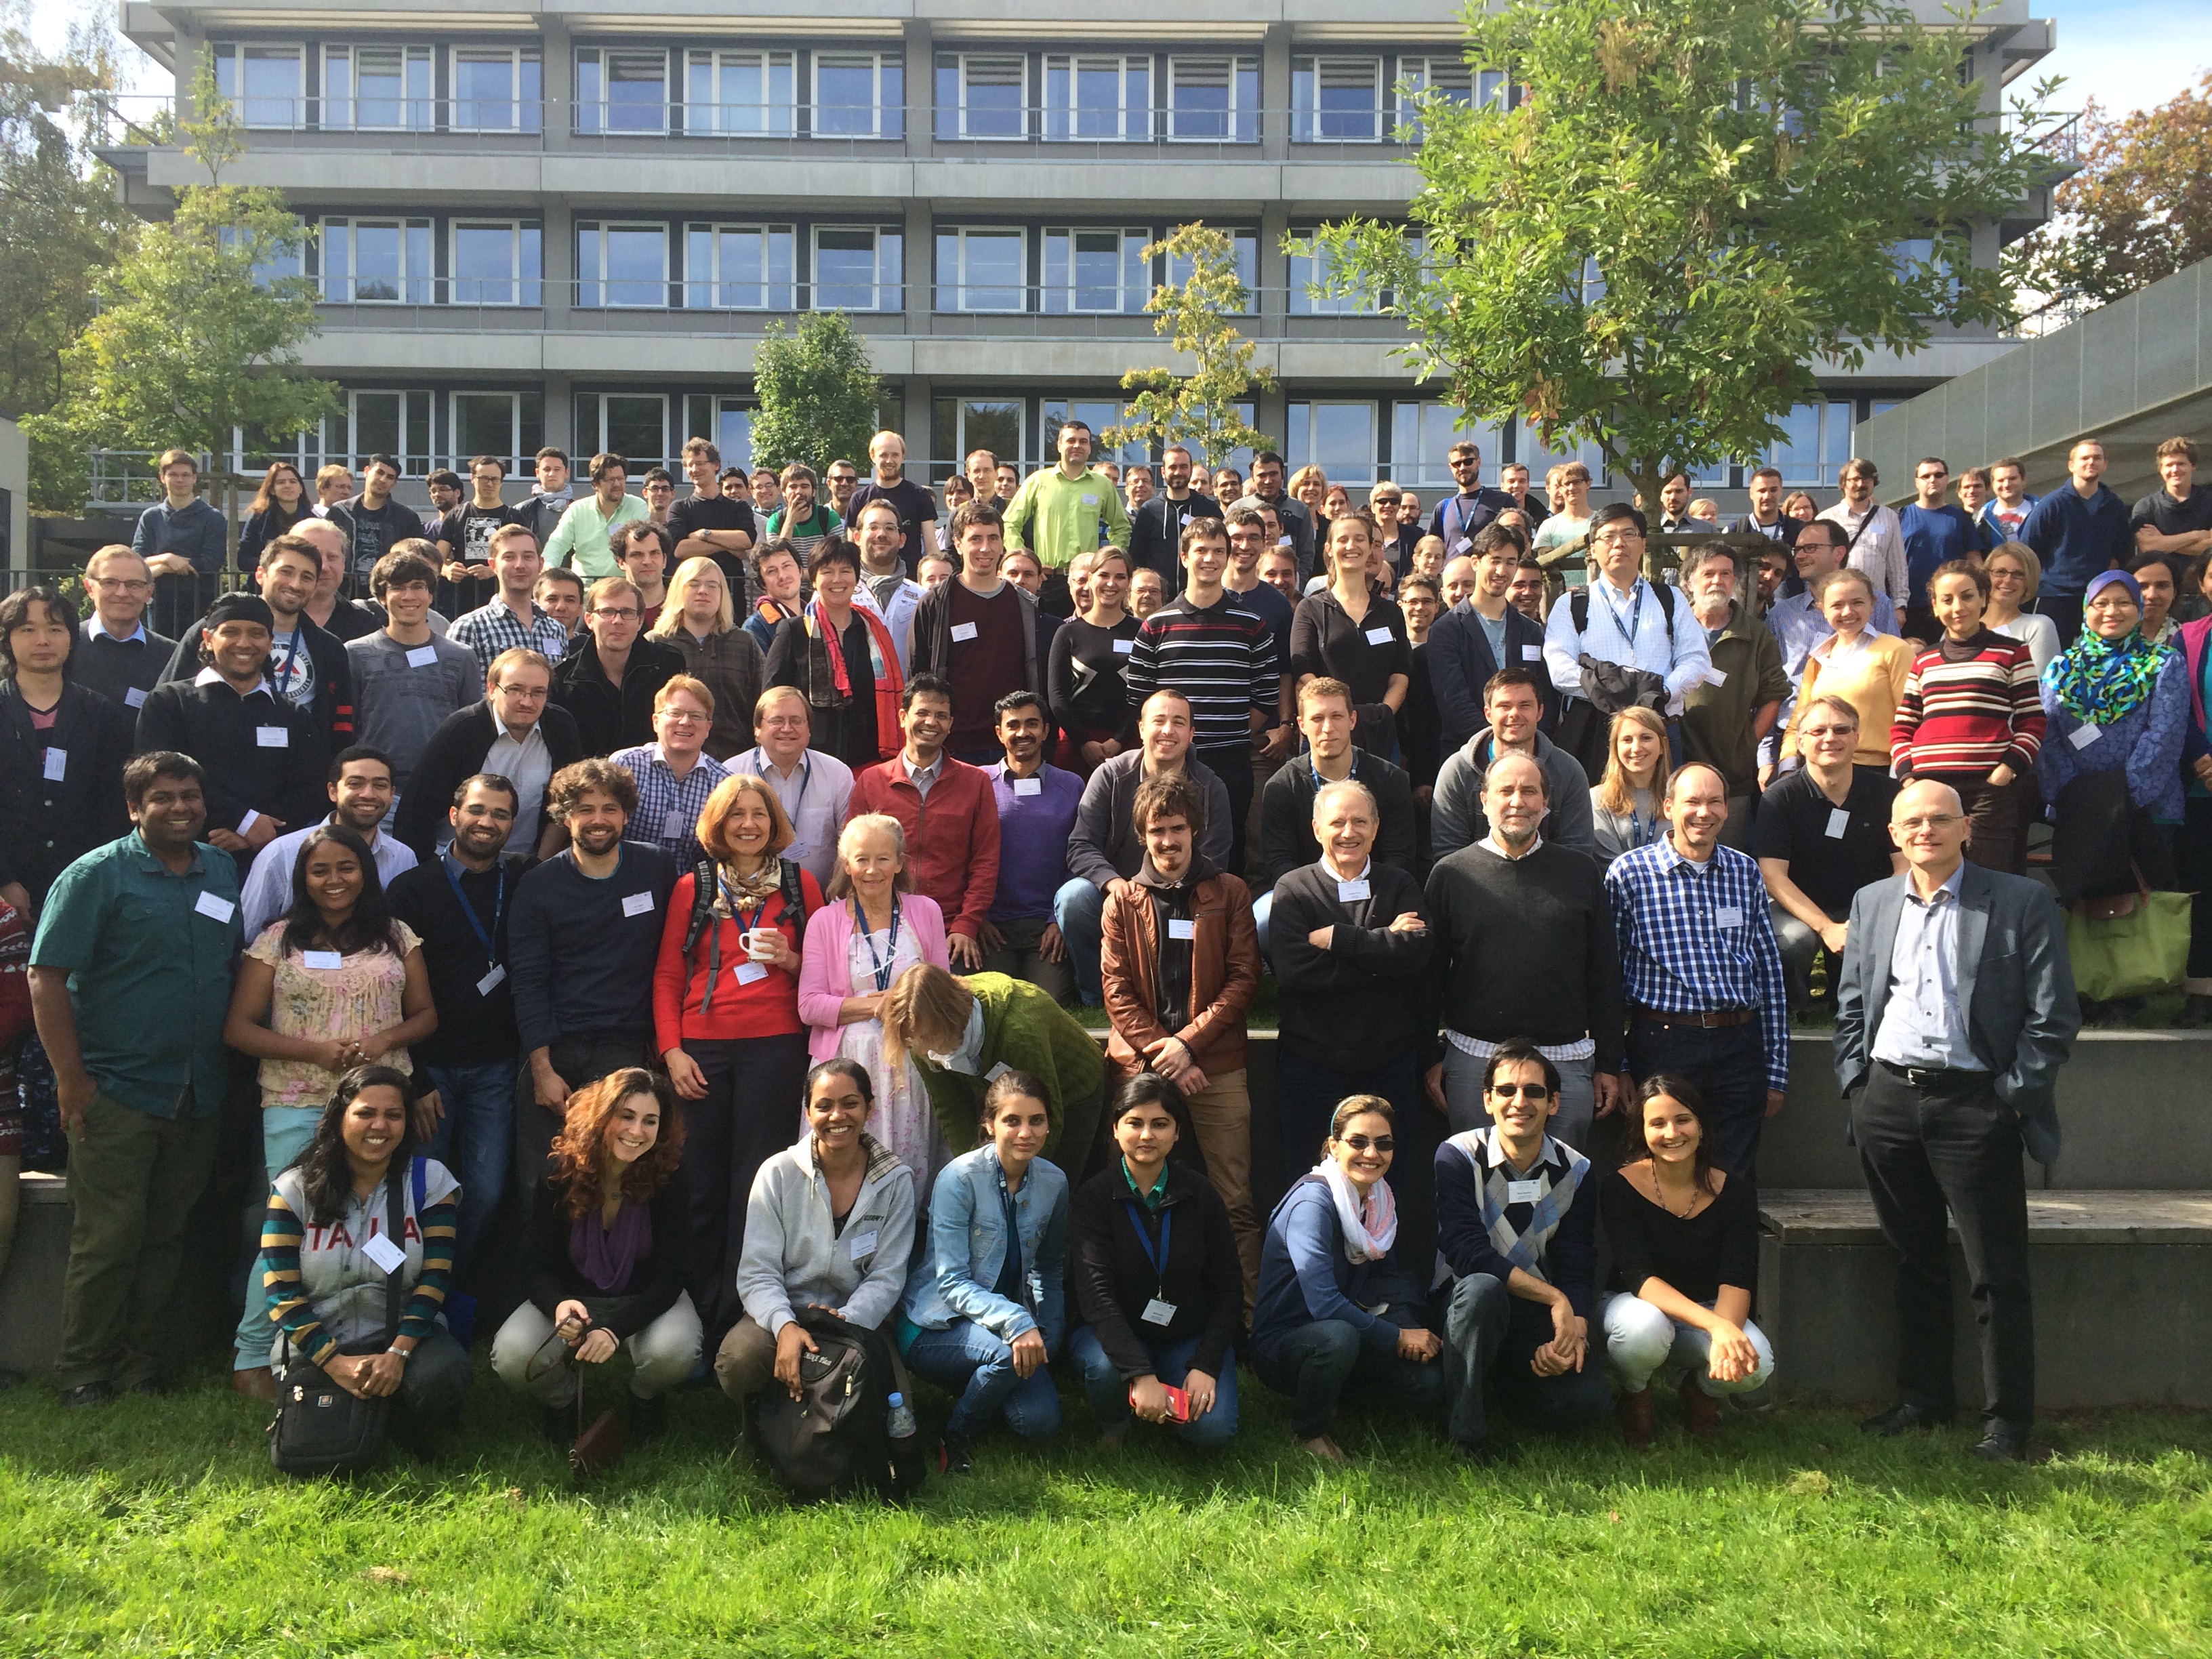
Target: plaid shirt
x: 664, y: 801
x: 1697, y: 938
x: 491, y: 628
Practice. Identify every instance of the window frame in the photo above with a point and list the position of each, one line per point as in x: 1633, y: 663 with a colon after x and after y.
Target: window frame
x: 417, y: 236
x: 1058, y: 299
x: 890, y: 110
x: 1242, y: 123
x: 518, y: 456
x: 1242, y: 237
x: 601, y: 58
x: 417, y: 112
x: 529, y: 287
x: 777, y: 120
x: 1298, y: 449
x: 714, y: 284
x: 959, y: 62
x: 1307, y: 121
x: 415, y: 460
x: 604, y: 283
x: 636, y: 464
x: 939, y: 285
x: 894, y: 287
x: 529, y: 113
x: 1132, y: 124
x: 234, y: 54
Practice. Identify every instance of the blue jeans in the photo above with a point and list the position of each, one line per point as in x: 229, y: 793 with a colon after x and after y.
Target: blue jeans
x: 1080, y: 910
x: 1263, y: 912
x: 1490, y: 1336
x: 969, y: 1361
x: 1314, y: 1362
x: 1109, y: 1394
x: 475, y: 1140
x: 1728, y: 1065
x: 285, y: 1132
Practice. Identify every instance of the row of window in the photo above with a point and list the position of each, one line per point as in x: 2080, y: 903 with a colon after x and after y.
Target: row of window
x: 792, y: 92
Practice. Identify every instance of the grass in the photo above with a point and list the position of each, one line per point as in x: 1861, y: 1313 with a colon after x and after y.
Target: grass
x: 156, y: 1526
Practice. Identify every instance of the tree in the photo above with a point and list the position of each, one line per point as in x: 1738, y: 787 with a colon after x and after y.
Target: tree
x: 818, y: 395
x: 1685, y: 208
x: 195, y: 340
x: 2140, y: 210
x: 1198, y: 410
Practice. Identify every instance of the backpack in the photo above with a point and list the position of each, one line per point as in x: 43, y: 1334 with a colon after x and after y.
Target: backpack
x: 1578, y: 606
x: 833, y: 1441
x: 704, y: 879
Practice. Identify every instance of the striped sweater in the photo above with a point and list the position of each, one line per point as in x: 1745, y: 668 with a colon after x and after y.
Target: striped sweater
x: 318, y: 1283
x: 1967, y: 709
x: 1221, y: 656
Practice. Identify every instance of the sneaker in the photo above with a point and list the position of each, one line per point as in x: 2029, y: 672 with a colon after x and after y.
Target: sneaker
x: 86, y: 1394
x: 953, y: 1456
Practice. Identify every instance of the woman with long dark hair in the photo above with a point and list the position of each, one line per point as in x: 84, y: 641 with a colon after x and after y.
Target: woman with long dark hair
x: 327, y: 1224
x: 280, y: 503
x: 334, y: 983
x: 1685, y: 1238
x: 607, y: 1256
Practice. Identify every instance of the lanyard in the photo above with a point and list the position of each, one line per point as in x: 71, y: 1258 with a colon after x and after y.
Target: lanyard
x: 806, y: 776
x: 291, y: 654
x: 737, y: 911
x: 1320, y: 783
x: 1635, y: 614
x: 883, y: 964
x: 476, y: 923
x: 1159, y: 1260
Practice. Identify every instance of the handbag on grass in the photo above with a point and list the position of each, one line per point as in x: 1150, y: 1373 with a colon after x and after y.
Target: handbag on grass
x: 2130, y: 945
x: 321, y: 1428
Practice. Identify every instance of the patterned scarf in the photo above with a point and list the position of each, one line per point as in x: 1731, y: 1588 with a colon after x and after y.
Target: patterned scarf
x: 2101, y: 680
x: 1370, y: 1225
x: 827, y: 651
x: 1524, y: 1249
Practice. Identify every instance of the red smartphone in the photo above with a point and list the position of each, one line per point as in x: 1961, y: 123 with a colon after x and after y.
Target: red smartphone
x: 1178, y: 1402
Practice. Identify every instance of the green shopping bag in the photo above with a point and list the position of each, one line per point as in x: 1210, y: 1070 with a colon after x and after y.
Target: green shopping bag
x: 2130, y: 946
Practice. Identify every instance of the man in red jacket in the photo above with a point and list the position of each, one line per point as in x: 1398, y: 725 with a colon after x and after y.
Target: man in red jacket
x: 948, y: 811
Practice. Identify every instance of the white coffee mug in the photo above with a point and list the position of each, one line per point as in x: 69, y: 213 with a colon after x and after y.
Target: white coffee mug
x: 760, y: 943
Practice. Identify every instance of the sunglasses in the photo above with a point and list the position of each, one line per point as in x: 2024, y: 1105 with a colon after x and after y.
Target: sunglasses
x: 1361, y: 1143
x: 1525, y: 1091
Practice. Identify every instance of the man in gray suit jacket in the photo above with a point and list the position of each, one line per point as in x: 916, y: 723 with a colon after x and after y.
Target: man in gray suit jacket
x: 1955, y: 1010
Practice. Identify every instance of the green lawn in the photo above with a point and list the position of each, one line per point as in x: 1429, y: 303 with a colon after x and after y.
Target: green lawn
x: 156, y: 1526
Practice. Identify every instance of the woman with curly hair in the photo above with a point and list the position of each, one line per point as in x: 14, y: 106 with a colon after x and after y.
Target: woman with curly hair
x: 607, y: 1256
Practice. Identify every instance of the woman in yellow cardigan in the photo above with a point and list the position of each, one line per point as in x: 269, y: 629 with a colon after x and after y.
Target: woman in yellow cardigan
x: 1865, y: 669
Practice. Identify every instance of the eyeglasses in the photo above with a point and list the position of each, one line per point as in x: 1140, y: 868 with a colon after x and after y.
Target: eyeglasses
x: 121, y: 584
x: 616, y: 613
x: 1524, y: 1090
x: 681, y: 716
x: 1361, y: 1143
x: 1932, y: 821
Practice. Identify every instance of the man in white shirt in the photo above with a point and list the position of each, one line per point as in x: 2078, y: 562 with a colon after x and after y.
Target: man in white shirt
x: 1876, y: 536
x: 360, y: 795
x: 884, y: 583
x: 814, y: 787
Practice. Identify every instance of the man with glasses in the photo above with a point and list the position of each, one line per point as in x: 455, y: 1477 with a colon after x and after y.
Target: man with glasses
x: 1645, y: 634
x: 1291, y: 515
x: 465, y: 536
x: 1937, y: 531
x: 1955, y: 1010
x: 514, y: 733
x: 843, y: 478
x: 120, y: 658
x: 673, y: 772
x: 581, y: 539
x: 609, y: 681
x: 1873, y: 540
x: 1459, y: 516
x: 308, y: 665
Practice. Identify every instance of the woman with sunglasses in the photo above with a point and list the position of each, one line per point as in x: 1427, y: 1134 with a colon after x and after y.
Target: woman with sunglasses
x: 1337, y: 1302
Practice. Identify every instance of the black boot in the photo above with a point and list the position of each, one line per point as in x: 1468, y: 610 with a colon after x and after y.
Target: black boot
x: 648, y: 1418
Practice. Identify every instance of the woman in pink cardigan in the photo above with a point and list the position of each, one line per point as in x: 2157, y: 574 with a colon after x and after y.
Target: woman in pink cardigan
x: 872, y: 929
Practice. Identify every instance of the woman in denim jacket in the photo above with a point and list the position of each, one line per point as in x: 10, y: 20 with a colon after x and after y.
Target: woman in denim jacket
x: 985, y: 1309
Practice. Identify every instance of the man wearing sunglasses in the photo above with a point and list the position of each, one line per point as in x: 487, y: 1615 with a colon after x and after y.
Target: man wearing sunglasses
x: 1516, y: 1226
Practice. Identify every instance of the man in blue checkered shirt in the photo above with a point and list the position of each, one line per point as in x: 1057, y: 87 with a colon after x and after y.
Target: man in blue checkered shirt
x: 674, y: 777
x: 512, y: 619
x: 1700, y: 967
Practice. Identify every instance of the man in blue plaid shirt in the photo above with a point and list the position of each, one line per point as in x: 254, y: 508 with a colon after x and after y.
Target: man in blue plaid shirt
x: 511, y: 620
x: 674, y: 777
x: 1700, y: 968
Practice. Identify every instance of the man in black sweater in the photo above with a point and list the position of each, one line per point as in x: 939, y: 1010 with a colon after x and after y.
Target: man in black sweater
x: 514, y: 732
x: 584, y: 938
x: 120, y: 658
x: 1156, y: 528
x: 307, y: 666
x: 608, y: 680
x: 265, y: 759
x: 1288, y: 833
x: 1525, y: 948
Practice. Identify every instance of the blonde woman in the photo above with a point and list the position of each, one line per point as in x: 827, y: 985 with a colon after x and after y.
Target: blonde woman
x: 700, y: 621
x: 1624, y: 805
x: 1865, y: 669
x: 1309, y: 485
x: 2014, y: 574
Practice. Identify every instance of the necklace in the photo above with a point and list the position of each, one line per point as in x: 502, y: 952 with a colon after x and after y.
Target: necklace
x: 1660, y: 1193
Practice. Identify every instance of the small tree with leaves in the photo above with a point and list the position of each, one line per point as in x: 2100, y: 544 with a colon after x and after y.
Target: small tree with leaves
x: 1198, y: 410
x: 819, y: 393
x: 1687, y: 209
x: 195, y: 341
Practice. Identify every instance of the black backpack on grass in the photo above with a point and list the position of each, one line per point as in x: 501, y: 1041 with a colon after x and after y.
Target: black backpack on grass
x: 833, y: 1441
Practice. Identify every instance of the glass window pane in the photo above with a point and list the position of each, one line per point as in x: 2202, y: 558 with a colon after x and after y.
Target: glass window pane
x: 636, y: 265
x: 844, y: 93
x: 734, y: 434
x: 636, y: 429
x: 483, y: 89
x: 376, y: 423
x: 275, y: 89
x: 845, y: 270
x: 376, y: 271
x: 484, y: 424
x: 992, y: 103
x: 995, y: 425
x: 994, y: 276
x: 637, y: 91
x: 1798, y: 454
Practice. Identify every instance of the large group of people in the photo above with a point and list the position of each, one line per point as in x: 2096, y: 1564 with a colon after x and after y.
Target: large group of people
x: 686, y: 899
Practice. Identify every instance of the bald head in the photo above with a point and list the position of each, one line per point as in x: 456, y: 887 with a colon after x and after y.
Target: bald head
x: 1458, y: 579
x: 1514, y: 795
x: 1928, y: 821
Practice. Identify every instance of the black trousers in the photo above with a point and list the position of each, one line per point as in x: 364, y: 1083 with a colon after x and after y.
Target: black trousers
x: 752, y: 1110
x: 578, y: 1059
x: 1234, y: 767
x: 1952, y: 1147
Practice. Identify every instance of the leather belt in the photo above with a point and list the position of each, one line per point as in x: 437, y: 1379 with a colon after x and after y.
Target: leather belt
x: 1943, y: 1079
x: 1713, y: 1020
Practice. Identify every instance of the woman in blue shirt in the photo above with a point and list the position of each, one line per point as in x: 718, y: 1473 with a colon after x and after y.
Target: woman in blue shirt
x: 984, y: 1308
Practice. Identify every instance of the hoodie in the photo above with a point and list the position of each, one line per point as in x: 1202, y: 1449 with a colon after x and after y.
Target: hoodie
x: 1457, y: 818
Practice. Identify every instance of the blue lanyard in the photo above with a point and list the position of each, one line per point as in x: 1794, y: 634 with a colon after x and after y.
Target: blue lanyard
x: 291, y: 654
x: 1635, y: 614
x: 737, y: 911
x: 806, y: 777
x: 1320, y: 783
x: 476, y: 923
x: 1158, y: 1260
x: 883, y: 964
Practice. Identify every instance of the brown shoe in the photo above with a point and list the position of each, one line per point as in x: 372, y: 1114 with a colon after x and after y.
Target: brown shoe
x: 257, y: 1382
x: 1635, y: 1413
x: 1701, y: 1408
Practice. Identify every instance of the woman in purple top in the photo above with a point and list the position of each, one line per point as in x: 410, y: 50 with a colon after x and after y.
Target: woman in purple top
x: 607, y: 1257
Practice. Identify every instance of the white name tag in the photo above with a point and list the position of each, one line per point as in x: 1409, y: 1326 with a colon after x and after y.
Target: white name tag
x: 1186, y: 518
x: 1839, y: 821
x: 134, y: 698
x: 1378, y: 636
x: 1523, y: 1192
x: 322, y: 958
x: 1090, y: 501
x: 636, y: 904
x: 2085, y: 734
x: 1728, y: 915
x: 1179, y: 929
x: 1351, y: 892
x: 1531, y: 653
x: 963, y: 631
x: 1124, y: 648
x: 1717, y: 677
x: 1284, y: 541
x: 221, y: 909
x: 750, y: 973
x: 423, y: 656
x: 1157, y: 1312
x: 1029, y: 786
x: 272, y: 737
x: 57, y: 765
x: 997, y: 1071
x: 1461, y: 545
x: 675, y: 824
x: 863, y: 1244
x: 492, y: 980
x: 388, y: 1257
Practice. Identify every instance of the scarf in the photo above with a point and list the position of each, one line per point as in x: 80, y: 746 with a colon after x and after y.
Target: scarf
x: 1371, y: 1225
x: 826, y: 659
x: 608, y: 1255
x: 2101, y: 680
x: 738, y: 892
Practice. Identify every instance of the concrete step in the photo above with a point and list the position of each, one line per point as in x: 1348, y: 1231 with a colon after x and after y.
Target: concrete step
x: 31, y: 1289
x: 2122, y: 1283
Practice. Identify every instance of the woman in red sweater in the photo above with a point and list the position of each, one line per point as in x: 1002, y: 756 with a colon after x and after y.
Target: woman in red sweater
x: 726, y: 1016
x: 1970, y: 717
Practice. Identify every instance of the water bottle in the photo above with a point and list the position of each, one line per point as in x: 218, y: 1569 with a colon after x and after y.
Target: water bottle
x: 900, y: 1420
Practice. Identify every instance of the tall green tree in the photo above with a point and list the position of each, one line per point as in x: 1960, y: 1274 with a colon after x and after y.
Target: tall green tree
x: 197, y: 338
x: 2140, y: 208
x: 1198, y: 410
x: 819, y: 394
x: 1686, y: 210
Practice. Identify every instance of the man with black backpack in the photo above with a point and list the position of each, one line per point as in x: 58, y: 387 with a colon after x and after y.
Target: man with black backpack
x: 1619, y: 641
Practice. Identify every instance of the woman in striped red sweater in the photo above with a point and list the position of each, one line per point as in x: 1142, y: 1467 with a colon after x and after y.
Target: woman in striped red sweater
x: 1970, y: 717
